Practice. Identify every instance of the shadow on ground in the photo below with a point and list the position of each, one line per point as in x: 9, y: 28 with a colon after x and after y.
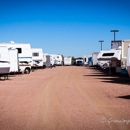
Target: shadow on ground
x: 124, y: 97
x: 117, y: 79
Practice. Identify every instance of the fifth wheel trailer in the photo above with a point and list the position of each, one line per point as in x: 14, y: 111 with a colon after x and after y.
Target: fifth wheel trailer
x: 24, y: 55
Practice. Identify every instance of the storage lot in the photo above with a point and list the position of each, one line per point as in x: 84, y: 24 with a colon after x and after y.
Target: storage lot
x: 65, y: 98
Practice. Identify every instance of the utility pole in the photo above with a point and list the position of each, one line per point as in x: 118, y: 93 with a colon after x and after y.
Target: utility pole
x: 114, y: 33
x: 101, y: 43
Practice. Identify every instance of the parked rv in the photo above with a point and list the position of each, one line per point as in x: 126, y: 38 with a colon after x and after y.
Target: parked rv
x: 47, y: 60
x: 14, y: 62
x: 94, y: 59
x: 53, y: 61
x: 113, y: 56
x: 90, y: 62
x: 4, y: 60
x: 103, y: 65
x: 44, y: 60
x: 59, y: 59
x: 128, y: 60
x: 85, y: 59
x: 37, y: 57
x: 116, y: 55
x: 68, y: 60
x: 79, y: 62
x: 124, y: 50
x: 24, y: 55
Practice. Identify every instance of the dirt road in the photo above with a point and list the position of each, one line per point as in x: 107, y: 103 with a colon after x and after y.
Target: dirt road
x: 65, y: 98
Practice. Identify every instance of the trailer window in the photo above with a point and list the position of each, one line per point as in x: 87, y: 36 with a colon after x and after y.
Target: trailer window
x: 19, y: 50
x: 108, y: 54
x: 35, y: 54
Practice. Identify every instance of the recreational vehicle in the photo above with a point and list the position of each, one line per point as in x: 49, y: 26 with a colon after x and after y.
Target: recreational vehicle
x: 37, y: 57
x: 124, y: 50
x: 24, y: 55
x: 90, y: 62
x: 94, y: 58
x: 113, y: 56
x: 116, y: 56
x: 14, y: 62
x: 128, y: 60
x: 47, y: 60
x: 67, y: 60
x: 44, y: 60
x: 79, y: 62
x: 85, y: 59
x: 4, y: 60
x: 103, y: 65
x: 59, y: 59
x: 53, y: 61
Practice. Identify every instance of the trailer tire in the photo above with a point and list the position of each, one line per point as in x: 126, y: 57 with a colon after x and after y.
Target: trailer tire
x: 27, y: 71
x: 44, y: 66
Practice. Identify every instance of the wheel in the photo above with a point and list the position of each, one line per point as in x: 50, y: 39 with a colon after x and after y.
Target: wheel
x: 44, y: 66
x: 27, y: 71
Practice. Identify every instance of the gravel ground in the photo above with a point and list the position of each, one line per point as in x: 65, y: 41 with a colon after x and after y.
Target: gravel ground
x: 65, y: 98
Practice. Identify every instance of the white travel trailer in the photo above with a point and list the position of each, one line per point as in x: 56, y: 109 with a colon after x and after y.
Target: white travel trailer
x: 37, y: 57
x: 86, y: 59
x: 128, y: 60
x: 44, y: 60
x: 59, y: 59
x: 124, y: 50
x: 53, y: 61
x: 4, y: 60
x: 24, y: 55
x: 47, y: 60
x: 68, y: 60
x: 94, y: 58
x: 14, y: 63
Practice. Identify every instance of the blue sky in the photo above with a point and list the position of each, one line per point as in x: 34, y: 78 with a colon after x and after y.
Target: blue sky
x: 68, y: 27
